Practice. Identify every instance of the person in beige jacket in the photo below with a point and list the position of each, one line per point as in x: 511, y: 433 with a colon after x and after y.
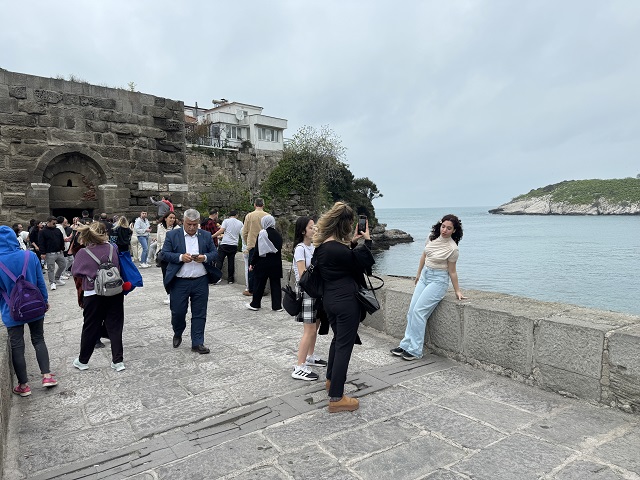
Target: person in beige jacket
x: 250, y: 233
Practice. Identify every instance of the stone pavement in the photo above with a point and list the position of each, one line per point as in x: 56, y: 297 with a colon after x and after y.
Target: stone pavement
x: 237, y: 413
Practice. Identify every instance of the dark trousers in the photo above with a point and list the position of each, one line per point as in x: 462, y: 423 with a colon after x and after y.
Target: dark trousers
x: 16, y: 339
x: 251, y: 273
x: 98, y: 310
x: 229, y: 252
x: 163, y: 268
x: 184, y: 290
x: 260, y: 283
x: 343, y: 311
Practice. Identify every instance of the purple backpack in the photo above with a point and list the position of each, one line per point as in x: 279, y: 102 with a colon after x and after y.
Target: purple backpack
x: 26, y: 302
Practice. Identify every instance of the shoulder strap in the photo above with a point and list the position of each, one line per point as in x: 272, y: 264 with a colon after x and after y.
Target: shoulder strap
x: 26, y: 263
x: 93, y: 256
x: 8, y: 272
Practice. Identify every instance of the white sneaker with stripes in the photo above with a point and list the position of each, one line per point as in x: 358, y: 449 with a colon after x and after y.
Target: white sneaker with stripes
x: 302, y: 372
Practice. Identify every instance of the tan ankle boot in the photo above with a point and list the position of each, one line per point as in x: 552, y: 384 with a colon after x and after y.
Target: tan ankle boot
x: 345, y: 404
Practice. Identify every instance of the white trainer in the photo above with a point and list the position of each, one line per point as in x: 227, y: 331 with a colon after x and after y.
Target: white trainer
x: 302, y: 372
x: 60, y: 281
x: 53, y: 286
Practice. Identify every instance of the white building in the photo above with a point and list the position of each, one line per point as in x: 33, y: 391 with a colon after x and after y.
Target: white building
x: 231, y: 123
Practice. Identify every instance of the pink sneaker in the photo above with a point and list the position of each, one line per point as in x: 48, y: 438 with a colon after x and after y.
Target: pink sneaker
x: 49, y: 381
x: 22, y: 391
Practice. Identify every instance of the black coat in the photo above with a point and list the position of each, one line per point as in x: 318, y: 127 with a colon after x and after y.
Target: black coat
x: 271, y: 263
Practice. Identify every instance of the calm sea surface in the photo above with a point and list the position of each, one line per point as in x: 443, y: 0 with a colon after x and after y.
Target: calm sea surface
x: 592, y: 261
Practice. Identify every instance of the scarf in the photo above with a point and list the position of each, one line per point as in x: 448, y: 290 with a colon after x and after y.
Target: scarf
x: 264, y: 244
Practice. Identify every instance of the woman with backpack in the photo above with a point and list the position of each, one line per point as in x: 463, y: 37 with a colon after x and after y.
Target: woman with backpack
x: 14, y: 262
x: 96, y: 306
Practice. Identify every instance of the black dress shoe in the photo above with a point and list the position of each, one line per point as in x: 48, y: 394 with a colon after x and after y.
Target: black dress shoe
x: 176, y: 341
x: 201, y: 349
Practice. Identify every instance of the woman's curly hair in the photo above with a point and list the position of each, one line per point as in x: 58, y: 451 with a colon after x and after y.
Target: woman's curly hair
x: 457, y: 228
x: 337, y: 222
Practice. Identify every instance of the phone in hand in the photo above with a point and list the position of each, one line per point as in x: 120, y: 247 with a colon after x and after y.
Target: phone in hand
x: 362, y: 223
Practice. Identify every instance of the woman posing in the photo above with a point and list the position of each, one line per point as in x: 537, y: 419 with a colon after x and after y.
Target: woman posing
x: 98, y: 309
x: 267, y: 264
x: 13, y: 259
x: 167, y: 223
x: 437, y: 266
x: 341, y: 265
x: 302, y: 253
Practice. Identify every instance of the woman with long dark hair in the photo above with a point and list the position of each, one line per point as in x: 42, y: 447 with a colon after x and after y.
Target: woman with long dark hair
x: 167, y: 223
x: 342, y: 265
x: 302, y: 254
x: 437, y: 266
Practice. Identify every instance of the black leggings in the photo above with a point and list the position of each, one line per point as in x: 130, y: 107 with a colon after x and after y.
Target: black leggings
x: 16, y: 338
x: 98, y: 310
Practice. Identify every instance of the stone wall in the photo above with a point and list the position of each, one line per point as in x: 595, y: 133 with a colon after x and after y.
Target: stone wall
x: 590, y: 354
x: 68, y: 146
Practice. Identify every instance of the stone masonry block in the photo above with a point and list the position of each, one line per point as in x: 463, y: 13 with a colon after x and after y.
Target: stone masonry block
x: 570, y: 345
x: 13, y: 199
x: 498, y: 338
x: 396, y: 306
x: 71, y: 136
x: 22, y: 133
x: 153, y: 133
x: 624, y: 361
x: 17, y: 120
x: 149, y: 186
x: 8, y: 105
x: 158, y: 112
x: 18, y: 91
x: 49, y: 121
x: 564, y: 381
x: 445, y: 326
x: 35, y: 108
x: 47, y: 96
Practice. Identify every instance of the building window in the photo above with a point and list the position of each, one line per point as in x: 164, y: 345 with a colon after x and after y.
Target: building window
x: 267, y: 134
x: 235, y: 133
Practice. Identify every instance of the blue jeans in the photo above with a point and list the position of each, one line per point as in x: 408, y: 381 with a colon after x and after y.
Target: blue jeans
x: 431, y: 288
x: 183, y: 290
x: 144, y: 243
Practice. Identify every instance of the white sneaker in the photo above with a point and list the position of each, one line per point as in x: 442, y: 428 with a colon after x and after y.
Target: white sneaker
x: 60, y: 281
x: 64, y: 277
x: 118, y: 367
x: 53, y: 286
x: 302, y: 372
x: 248, y: 305
x: 167, y: 300
x: 79, y: 365
x: 144, y: 265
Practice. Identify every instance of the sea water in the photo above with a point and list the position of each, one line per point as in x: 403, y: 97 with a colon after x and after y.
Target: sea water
x: 591, y: 261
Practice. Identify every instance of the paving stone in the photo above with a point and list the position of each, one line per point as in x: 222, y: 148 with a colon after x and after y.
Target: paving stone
x: 311, y: 464
x: 379, y: 358
x: 100, y: 410
x: 357, y: 443
x: 453, y: 426
x: 262, y: 473
x: 499, y: 415
x: 444, y: 382
x: 390, y: 401
x: 76, y: 446
x: 216, y: 462
x: 36, y: 426
x: 151, y: 395
x: 623, y: 451
x: 516, y: 457
x: 527, y: 398
x: 310, y: 428
x: 581, y: 470
x: 444, y: 475
x: 576, y: 425
x: 410, y: 460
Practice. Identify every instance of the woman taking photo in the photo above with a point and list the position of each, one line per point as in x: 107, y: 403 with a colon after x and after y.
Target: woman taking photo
x: 302, y: 253
x: 266, y: 264
x: 97, y: 309
x: 437, y: 265
x: 167, y: 223
x: 342, y: 266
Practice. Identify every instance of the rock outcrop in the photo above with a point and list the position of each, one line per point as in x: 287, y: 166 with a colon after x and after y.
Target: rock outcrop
x: 383, y: 238
x: 544, y: 205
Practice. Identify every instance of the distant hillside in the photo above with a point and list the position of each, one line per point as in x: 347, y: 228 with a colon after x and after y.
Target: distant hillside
x: 578, y: 197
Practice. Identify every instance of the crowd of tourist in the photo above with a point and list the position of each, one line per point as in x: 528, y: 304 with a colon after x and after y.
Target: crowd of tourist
x: 190, y: 251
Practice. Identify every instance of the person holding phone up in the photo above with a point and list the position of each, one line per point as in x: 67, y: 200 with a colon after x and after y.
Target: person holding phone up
x: 190, y: 255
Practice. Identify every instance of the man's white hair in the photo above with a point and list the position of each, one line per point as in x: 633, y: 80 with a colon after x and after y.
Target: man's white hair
x: 191, y: 214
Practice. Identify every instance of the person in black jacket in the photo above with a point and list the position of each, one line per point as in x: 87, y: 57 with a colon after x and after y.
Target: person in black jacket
x: 267, y: 264
x: 341, y: 263
x: 120, y: 234
x: 51, y: 244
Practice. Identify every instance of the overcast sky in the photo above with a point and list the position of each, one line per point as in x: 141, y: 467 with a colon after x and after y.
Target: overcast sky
x: 440, y: 103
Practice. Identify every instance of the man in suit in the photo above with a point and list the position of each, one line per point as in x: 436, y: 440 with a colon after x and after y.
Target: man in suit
x: 191, y: 257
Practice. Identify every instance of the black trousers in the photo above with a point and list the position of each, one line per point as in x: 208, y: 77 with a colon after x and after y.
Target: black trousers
x: 343, y: 311
x: 229, y: 252
x: 98, y: 310
x: 16, y: 339
x: 259, y: 284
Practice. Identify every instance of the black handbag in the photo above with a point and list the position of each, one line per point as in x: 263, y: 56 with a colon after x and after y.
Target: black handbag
x: 367, y: 296
x: 291, y: 301
x: 311, y: 281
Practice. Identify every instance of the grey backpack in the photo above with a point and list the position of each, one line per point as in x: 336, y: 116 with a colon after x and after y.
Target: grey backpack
x: 108, y: 281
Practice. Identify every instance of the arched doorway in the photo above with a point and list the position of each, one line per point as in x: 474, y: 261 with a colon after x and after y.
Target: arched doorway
x: 74, y: 178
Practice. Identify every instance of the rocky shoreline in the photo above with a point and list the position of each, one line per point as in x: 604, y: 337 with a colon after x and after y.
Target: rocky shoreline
x: 545, y: 206
x: 384, y: 238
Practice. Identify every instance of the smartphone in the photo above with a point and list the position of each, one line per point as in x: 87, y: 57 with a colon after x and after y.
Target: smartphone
x: 362, y: 223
